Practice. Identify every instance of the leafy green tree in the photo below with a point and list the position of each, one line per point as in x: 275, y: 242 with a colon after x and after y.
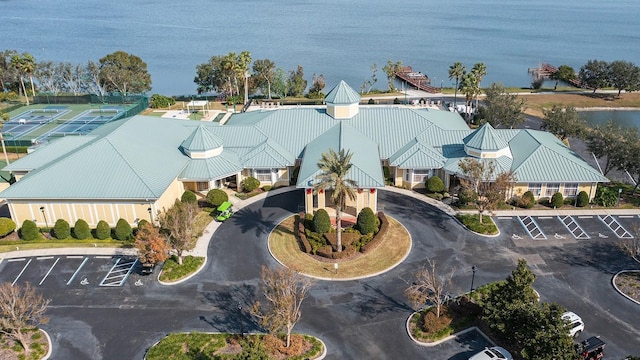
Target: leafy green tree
x: 479, y: 70
x: 264, y: 74
x: 334, y: 168
x: 279, y: 85
x: 501, y: 108
x: 296, y: 84
x: 216, y: 197
x: 434, y: 184
x: 456, y: 71
x: 8, y: 73
x: 607, y: 141
x: 563, y: 123
x: 565, y: 73
x: 624, y: 75
x: 321, y: 221
x: 158, y: 101
x: 25, y: 66
x: 123, y: 230
x: 543, y: 333
x: 594, y: 74
x: 92, y: 81
x: 189, y: 196
x: 103, y: 230
x: 7, y: 226
x: 631, y: 160
x: 124, y: 73
x: 366, y: 221
x: 605, y: 196
x: 391, y: 69
x: 61, y: 229
x: 81, y: 230
x: 29, y: 230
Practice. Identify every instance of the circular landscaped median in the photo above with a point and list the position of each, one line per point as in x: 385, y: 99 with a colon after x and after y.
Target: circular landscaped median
x: 391, y: 251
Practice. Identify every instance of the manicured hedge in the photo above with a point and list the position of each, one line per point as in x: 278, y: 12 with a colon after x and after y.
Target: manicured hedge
x: 215, y: 197
x: 7, y: 226
x: 366, y: 222
x: 304, y: 243
x: 81, y: 230
x: 61, y: 230
x: 123, y: 231
x: 557, y: 200
x: 434, y: 184
x: 321, y: 221
x: 583, y: 199
x: 189, y: 197
x: 103, y: 230
x: 384, y: 227
x: 528, y: 200
x: 249, y: 184
x: 29, y: 230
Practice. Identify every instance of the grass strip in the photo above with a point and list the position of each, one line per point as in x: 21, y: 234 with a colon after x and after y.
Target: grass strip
x: 172, y: 271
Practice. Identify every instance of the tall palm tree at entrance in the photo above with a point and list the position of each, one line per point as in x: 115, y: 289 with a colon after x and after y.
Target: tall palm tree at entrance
x: 334, y: 168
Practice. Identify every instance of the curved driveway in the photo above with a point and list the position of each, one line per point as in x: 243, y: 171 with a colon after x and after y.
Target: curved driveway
x: 356, y: 319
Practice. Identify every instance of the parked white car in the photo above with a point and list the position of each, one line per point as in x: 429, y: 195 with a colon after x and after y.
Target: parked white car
x: 576, y: 326
x: 492, y: 353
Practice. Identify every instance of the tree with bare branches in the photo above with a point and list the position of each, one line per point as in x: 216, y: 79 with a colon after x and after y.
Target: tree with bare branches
x: 152, y: 246
x: 491, y: 188
x: 631, y: 246
x: 430, y: 286
x: 285, y: 290
x: 21, y: 309
x: 178, y: 222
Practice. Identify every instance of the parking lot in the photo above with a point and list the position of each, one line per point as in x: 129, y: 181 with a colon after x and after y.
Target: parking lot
x: 566, y: 228
x: 71, y: 272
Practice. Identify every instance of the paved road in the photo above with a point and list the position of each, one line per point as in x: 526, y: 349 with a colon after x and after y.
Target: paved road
x: 356, y: 319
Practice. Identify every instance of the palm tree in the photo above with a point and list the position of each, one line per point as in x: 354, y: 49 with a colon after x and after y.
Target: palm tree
x: 25, y: 65
x: 456, y: 71
x: 469, y: 87
x: 334, y: 168
x: 479, y: 70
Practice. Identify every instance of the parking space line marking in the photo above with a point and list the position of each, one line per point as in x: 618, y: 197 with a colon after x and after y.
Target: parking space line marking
x: 103, y: 257
x: 531, y: 227
x: 625, y: 216
x: 504, y: 217
x: 16, y: 259
x: 545, y: 217
x: 573, y: 227
x: 23, y: 269
x: 77, y: 270
x: 614, y: 226
x: 75, y: 256
x: 585, y: 217
x: 44, y: 258
x: 115, y: 277
x: 48, y: 272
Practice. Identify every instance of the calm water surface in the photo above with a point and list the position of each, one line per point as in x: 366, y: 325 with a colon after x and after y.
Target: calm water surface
x: 340, y: 39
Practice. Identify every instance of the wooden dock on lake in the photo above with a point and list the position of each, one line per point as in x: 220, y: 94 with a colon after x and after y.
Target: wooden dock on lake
x: 547, y: 71
x: 416, y: 79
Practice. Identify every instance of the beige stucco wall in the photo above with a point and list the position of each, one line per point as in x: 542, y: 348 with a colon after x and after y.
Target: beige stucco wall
x: 166, y: 200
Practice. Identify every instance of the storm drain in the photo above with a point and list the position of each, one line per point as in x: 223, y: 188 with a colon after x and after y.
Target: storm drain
x: 573, y: 227
x: 119, y: 272
x: 615, y: 226
x: 532, y: 227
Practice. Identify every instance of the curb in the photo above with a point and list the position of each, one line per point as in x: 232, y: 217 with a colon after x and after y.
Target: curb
x: 450, y: 337
x: 184, y: 278
x: 48, y: 354
x: 613, y: 281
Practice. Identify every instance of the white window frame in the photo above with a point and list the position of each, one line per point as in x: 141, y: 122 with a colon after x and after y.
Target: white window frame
x: 263, y: 175
x: 420, y: 175
x: 535, y: 188
x: 570, y: 189
x: 551, y: 188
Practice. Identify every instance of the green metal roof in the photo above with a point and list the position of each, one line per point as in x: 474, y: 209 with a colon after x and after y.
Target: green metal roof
x: 268, y: 154
x: 220, y: 166
x: 49, y: 152
x: 417, y: 155
x: 342, y: 94
x: 485, y: 139
x: 366, y: 169
x: 201, y: 139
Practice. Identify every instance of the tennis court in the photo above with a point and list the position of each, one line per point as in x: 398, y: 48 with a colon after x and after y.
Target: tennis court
x: 86, y: 121
x: 30, y: 120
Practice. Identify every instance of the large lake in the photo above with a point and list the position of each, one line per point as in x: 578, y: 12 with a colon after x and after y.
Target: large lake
x: 336, y: 38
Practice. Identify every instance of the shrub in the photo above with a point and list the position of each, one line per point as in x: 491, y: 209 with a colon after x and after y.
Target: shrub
x: 249, y: 184
x: 215, y: 197
x: 434, y: 184
x: 557, y: 200
x: 397, y: 101
x: 103, y: 230
x: 366, y: 222
x: 142, y: 223
x: 7, y: 226
x: 81, y: 230
x: 189, y: 197
x: 158, y: 101
x: 371, y: 101
x: 123, y: 230
x: 61, y: 230
x: 583, y: 199
x: 527, y: 201
x: 606, y: 196
x: 386, y: 171
x: 321, y: 221
x: 308, y: 221
x: 266, y: 188
x: 29, y: 230
x: 466, y: 196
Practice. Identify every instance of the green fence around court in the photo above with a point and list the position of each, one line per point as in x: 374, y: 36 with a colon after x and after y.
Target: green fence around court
x: 89, y: 99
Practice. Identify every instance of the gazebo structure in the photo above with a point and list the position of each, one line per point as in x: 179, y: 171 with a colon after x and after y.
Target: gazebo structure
x: 194, y: 105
